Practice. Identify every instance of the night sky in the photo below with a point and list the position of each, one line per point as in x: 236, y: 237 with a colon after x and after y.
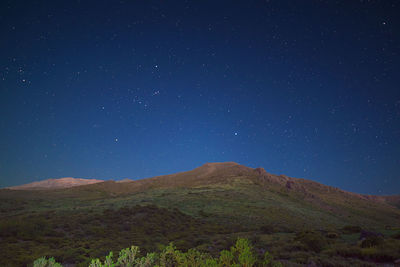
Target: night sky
x: 134, y: 89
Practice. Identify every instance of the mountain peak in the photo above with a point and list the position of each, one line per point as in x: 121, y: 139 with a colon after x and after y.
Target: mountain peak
x: 221, y: 164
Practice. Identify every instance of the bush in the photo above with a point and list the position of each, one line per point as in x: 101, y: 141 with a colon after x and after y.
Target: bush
x: 43, y: 262
x: 244, y: 253
x: 226, y: 258
x: 371, y: 241
x: 170, y: 257
x: 239, y: 255
x: 313, y: 240
x: 127, y: 256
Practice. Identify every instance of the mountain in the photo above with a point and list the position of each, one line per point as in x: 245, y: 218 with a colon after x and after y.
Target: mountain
x: 206, y: 208
x: 50, y: 184
x: 243, y: 192
x: 254, y: 193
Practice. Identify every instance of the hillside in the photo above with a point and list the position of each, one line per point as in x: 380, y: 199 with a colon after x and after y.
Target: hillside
x: 216, y: 203
x: 51, y: 184
x: 257, y: 194
x: 261, y: 196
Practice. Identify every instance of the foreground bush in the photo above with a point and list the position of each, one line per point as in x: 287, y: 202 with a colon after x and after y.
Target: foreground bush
x: 43, y: 262
x: 240, y: 255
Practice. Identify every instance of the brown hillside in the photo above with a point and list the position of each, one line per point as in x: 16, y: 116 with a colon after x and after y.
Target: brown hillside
x: 228, y: 172
x: 56, y: 184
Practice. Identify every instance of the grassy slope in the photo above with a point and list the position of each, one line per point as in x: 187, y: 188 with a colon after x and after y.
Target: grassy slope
x: 224, y: 192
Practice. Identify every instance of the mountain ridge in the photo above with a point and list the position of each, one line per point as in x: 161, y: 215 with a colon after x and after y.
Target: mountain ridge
x: 186, y: 178
x: 55, y: 183
x: 215, y: 174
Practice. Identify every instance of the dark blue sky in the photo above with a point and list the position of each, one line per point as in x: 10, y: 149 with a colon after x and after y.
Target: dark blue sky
x: 133, y: 89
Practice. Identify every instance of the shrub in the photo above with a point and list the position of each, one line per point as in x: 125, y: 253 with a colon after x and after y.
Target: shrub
x: 193, y: 258
x: 371, y: 241
x: 170, y: 257
x: 147, y: 261
x: 225, y: 258
x: 267, y: 259
x: 239, y: 255
x: 313, y: 240
x: 127, y: 257
x: 43, y: 262
x: 242, y: 253
x: 107, y: 263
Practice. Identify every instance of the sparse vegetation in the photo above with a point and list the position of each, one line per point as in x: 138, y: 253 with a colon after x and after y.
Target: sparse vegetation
x: 314, y: 241
x: 241, y: 254
x: 75, y: 237
x: 371, y: 241
x: 201, y: 217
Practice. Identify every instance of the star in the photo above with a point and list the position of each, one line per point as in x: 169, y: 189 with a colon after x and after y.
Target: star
x: 116, y: 139
x: 236, y: 133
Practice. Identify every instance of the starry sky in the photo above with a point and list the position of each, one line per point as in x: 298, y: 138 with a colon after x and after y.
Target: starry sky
x: 134, y: 89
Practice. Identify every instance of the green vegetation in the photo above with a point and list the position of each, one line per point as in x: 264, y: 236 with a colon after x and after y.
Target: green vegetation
x: 202, y: 211
x: 241, y: 254
x: 43, y: 262
x: 76, y: 237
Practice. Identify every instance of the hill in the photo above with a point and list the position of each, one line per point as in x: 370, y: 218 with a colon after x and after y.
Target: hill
x: 50, y: 184
x: 216, y: 203
x: 230, y: 192
x: 253, y: 193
